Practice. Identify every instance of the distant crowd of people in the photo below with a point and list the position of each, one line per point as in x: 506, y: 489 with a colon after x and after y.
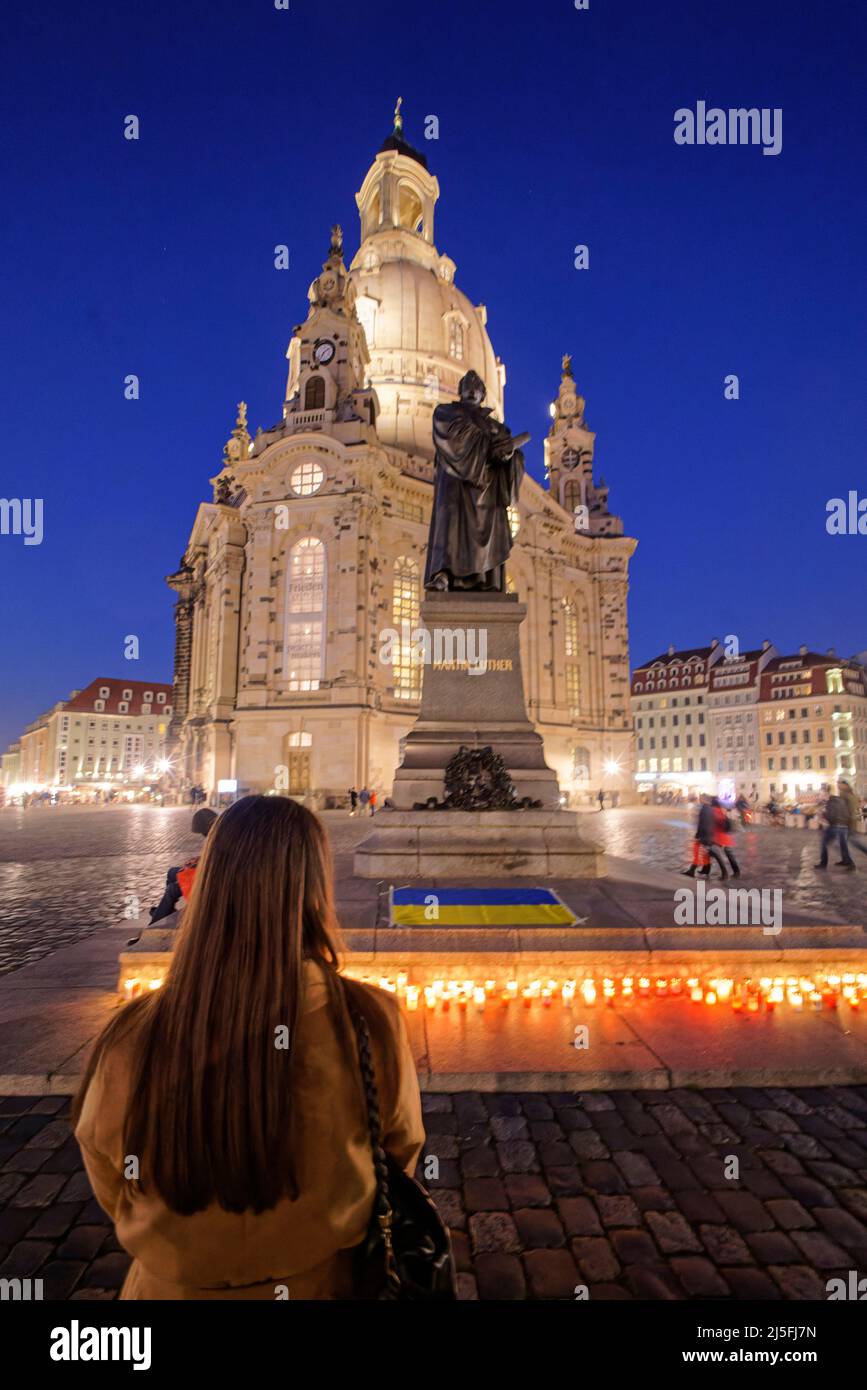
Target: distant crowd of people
x: 841, y: 815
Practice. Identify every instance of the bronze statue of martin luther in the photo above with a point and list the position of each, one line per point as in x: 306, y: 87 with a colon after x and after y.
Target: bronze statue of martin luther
x: 479, y: 467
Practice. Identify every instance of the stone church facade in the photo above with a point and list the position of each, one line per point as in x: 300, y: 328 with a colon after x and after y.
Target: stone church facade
x: 314, y: 542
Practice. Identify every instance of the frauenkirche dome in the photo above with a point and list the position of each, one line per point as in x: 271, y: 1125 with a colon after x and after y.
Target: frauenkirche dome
x: 422, y: 332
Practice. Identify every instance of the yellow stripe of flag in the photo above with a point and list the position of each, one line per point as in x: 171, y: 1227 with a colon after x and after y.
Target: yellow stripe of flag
x: 481, y: 915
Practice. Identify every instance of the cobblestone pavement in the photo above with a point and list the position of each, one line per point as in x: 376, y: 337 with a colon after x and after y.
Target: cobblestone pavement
x: 660, y: 837
x: 769, y: 857
x: 65, y: 871
x: 623, y: 1192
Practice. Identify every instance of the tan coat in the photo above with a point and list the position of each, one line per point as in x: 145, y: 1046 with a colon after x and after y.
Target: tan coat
x: 303, y: 1245
x: 853, y: 808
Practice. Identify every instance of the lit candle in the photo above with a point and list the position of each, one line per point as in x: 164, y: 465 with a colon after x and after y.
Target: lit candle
x: 131, y: 988
x: 527, y: 994
x: 479, y: 998
x: 696, y: 994
x: 512, y: 987
x: 710, y: 997
x: 412, y: 994
x: 588, y: 990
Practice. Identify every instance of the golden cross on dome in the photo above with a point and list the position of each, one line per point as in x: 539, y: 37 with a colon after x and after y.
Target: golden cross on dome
x: 398, y: 118
x: 567, y: 364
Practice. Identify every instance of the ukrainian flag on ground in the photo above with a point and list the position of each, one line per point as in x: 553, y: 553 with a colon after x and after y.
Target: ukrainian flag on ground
x: 478, y: 907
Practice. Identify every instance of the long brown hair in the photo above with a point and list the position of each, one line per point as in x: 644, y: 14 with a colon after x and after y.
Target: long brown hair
x: 210, y: 1114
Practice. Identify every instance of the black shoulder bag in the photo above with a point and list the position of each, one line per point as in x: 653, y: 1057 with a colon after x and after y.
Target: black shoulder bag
x: 406, y: 1253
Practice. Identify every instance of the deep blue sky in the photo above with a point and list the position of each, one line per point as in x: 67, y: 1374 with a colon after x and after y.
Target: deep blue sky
x: 556, y: 127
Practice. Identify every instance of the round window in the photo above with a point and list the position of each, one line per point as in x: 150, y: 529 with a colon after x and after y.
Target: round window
x: 307, y: 478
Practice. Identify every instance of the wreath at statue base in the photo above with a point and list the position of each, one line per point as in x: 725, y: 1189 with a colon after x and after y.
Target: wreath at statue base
x: 477, y: 779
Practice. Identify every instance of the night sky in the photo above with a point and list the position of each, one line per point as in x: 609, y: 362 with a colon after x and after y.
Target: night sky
x: 156, y: 257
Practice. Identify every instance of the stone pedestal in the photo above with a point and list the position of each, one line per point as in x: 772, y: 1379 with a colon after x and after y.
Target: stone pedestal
x: 473, y: 695
x: 543, y: 845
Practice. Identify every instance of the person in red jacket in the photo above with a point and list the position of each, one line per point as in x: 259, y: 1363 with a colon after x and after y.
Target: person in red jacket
x: 722, y: 835
x: 179, y: 880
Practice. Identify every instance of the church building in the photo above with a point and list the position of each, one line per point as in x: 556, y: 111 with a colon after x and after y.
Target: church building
x: 314, y: 543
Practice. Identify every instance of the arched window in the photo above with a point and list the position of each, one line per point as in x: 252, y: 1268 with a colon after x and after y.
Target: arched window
x: 456, y: 340
x: 299, y: 740
x: 410, y: 212
x: 405, y: 605
x: 314, y: 393
x: 305, y: 613
x: 572, y: 653
x: 581, y: 764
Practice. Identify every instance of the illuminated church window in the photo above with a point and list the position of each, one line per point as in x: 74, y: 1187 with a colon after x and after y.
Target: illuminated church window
x: 405, y: 608
x: 514, y: 520
x: 306, y: 610
x: 573, y: 670
x: 456, y: 340
x: 307, y: 479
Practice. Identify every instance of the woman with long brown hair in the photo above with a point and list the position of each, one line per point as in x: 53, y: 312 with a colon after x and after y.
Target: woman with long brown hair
x: 222, y: 1117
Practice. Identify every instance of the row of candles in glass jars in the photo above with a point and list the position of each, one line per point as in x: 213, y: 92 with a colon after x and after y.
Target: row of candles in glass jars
x: 745, y: 995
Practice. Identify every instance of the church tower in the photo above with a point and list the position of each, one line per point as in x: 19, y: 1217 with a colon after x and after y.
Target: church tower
x: 569, y: 463
x: 328, y: 354
x: 423, y: 332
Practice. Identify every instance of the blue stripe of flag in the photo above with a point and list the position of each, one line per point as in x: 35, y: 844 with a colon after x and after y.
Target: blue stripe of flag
x: 475, y: 897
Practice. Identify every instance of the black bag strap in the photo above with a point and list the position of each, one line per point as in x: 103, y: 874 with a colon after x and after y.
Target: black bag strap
x: 382, y: 1209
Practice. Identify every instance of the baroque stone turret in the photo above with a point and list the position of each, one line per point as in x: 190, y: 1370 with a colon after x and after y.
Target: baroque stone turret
x: 237, y: 446
x: 569, y: 462
x: 328, y: 357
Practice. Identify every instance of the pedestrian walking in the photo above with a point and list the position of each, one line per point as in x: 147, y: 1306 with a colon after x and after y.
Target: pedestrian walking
x: 373, y: 803
x: 353, y: 800
x: 247, y: 1085
x: 836, y: 831
x: 600, y: 797
x: 364, y: 800
x: 722, y: 835
x: 705, y: 838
